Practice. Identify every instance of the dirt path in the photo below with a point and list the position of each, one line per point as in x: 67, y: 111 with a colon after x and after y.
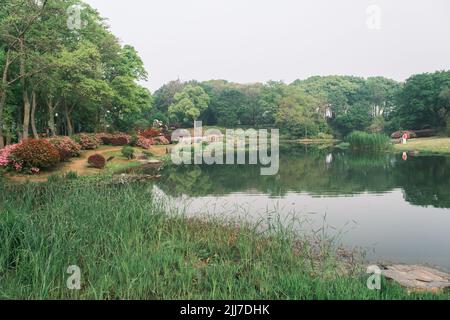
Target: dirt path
x: 78, y: 165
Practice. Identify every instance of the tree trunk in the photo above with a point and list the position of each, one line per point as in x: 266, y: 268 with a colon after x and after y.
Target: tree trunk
x: 2, y: 104
x: 68, y: 121
x: 3, y: 88
x: 26, y: 114
x: 33, y: 112
x: 26, y: 99
x: 8, y: 137
x: 51, y: 116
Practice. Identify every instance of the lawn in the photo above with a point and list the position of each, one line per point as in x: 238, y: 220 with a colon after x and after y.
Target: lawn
x: 436, y: 145
x: 128, y: 245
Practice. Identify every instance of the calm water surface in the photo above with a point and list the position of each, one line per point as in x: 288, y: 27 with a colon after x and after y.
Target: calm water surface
x: 396, y: 210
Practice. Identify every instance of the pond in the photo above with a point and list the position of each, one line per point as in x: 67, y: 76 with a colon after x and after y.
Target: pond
x: 395, y: 210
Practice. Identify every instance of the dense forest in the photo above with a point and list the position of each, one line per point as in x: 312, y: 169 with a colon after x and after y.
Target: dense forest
x: 58, y: 80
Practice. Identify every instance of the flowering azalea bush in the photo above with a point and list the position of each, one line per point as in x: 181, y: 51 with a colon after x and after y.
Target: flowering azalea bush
x: 5, y: 153
x: 150, y: 133
x: 144, y: 143
x: 67, y: 148
x: 399, y: 134
x: 34, y: 154
x: 117, y: 139
x: 87, y: 141
x: 162, y: 140
x: 97, y: 161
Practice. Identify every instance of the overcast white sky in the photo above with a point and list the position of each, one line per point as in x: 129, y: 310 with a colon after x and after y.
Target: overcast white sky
x: 259, y: 40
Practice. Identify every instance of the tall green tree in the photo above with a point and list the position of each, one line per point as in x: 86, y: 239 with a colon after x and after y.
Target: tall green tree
x: 188, y: 105
x: 422, y: 104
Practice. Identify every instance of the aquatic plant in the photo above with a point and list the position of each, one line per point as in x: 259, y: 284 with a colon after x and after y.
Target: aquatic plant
x: 364, y: 141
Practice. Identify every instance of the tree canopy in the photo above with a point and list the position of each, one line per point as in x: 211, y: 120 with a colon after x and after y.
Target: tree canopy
x: 60, y: 76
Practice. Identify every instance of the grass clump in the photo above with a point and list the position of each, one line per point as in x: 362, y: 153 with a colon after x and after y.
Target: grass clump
x: 128, y: 152
x: 364, y: 141
x: 71, y: 175
x: 128, y: 247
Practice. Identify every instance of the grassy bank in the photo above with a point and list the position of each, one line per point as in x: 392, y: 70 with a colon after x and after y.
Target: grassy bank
x: 129, y: 248
x: 435, y: 145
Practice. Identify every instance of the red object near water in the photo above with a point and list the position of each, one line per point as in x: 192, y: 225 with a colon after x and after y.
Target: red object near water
x: 405, y: 156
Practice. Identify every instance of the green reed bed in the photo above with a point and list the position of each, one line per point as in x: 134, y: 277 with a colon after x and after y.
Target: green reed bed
x: 129, y: 247
x: 364, y: 141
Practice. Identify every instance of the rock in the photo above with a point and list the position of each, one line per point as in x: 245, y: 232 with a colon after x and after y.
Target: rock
x: 418, y: 278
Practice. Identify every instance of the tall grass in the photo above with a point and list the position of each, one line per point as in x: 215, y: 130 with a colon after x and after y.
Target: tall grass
x: 368, y: 141
x: 128, y: 247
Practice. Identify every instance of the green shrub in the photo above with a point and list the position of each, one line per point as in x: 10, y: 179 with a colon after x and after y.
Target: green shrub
x: 364, y: 141
x: 134, y: 139
x: 325, y: 136
x: 128, y: 152
x: 72, y: 175
x: 147, y: 154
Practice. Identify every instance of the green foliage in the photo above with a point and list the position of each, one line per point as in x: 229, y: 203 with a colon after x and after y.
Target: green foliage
x: 364, y: 141
x: 148, y: 154
x: 424, y: 101
x: 164, y: 96
x: 188, y: 104
x: 54, y: 178
x: 228, y: 107
x: 128, y: 152
x: 90, y: 82
x: 156, y: 255
x: 71, y: 175
x: 297, y: 115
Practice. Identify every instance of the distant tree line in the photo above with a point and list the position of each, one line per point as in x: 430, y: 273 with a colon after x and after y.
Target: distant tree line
x: 58, y: 80
x: 327, y: 105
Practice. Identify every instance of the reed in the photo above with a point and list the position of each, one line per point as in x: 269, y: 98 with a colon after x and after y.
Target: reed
x: 364, y: 141
x: 129, y: 245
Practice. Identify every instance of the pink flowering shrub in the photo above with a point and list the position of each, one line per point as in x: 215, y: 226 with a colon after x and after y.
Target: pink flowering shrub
x: 34, y: 153
x: 5, y: 153
x: 144, y: 143
x: 67, y: 148
x: 162, y: 140
x: 10, y: 161
x: 87, y: 141
x: 116, y: 139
